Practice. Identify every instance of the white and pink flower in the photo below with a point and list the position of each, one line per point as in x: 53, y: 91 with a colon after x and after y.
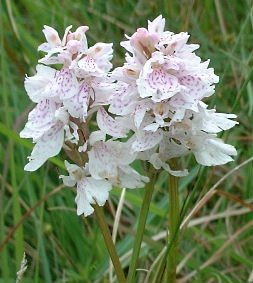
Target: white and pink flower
x: 89, y: 190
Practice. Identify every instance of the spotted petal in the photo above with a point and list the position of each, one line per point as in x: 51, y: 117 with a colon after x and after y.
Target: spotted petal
x: 77, y: 105
x: 140, y: 111
x: 102, y: 54
x: 109, y: 125
x: 155, y: 81
x: 65, y: 84
x: 106, y: 157
x: 122, y: 102
x: 196, y: 86
x: 47, y: 146
x: 88, y: 66
x: 146, y: 140
x: 40, y: 120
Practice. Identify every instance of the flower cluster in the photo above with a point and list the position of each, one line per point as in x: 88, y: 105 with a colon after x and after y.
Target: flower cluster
x: 154, y: 100
x: 66, y: 100
x: 160, y: 89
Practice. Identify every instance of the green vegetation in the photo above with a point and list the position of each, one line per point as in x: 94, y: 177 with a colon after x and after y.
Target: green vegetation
x: 62, y: 247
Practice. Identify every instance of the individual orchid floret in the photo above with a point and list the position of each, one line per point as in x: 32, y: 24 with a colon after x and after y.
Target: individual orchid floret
x: 210, y: 151
x: 95, y: 62
x: 62, y: 51
x: 145, y: 140
x: 77, y: 41
x: 144, y: 41
x: 40, y: 119
x: 212, y: 122
x: 78, y: 104
x: 111, y: 160
x: 46, y: 126
x: 156, y: 81
x: 38, y: 87
x: 89, y: 190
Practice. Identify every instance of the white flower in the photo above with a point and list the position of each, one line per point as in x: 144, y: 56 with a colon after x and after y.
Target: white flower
x: 155, y: 105
x: 95, y: 62
x: 40, y: 119
x: 54, y: 47
x: 185, y: 138
x: 89, y: 190
x: 211, y: 151
x: 65, y: 95
x: 143, y: 44
x: 61, y: 51
x: 39, y: 86
x: 123, y: 99
x: 130, y: 178
x: 212, y: 122
x: 102, y: 54
x: 156, y: 81
x: 47, y: 146
x: 164, y: 67
x: 110, y: 160
x: 110, y: 155
x: 46, y: 126
x: 101, y: 91
x: 77, y: 41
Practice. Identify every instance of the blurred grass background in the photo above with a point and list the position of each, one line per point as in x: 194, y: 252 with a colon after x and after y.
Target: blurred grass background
x: 62, y: 247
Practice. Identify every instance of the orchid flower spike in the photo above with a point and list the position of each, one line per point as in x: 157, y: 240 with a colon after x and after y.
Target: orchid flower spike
x: 65, y: 101
x: 159, y: 90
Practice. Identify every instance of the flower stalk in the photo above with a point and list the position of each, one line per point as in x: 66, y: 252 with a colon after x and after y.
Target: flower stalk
x: 141, y: 228
x: 109, y: 243
x: 174, y: 217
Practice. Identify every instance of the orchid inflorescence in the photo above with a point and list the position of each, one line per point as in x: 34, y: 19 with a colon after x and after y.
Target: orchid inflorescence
x: 149, y: 109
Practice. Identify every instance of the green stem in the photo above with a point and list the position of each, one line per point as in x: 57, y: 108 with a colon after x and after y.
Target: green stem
x: 174, y: 217
x: 109, y: 243
x: 140, y: 228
